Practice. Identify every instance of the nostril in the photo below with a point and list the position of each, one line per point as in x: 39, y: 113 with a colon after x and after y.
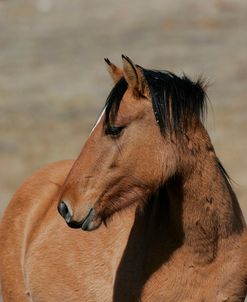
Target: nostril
x: 64, y: 211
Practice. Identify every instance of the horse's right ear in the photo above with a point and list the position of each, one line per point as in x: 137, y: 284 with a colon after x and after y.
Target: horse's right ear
x: 115, y: 72
x: 133, y: 75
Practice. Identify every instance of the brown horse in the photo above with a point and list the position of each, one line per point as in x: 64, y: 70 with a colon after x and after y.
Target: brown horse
x: 167, y: 224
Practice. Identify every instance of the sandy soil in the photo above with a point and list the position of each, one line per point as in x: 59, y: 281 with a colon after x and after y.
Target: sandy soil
x: 53, y: 80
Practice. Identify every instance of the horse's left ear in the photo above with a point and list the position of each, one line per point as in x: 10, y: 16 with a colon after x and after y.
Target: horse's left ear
x: 115, y: 72
x: 133, y: 75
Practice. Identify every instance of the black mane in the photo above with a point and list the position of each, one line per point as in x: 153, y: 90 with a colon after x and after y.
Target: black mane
x: 176, y: 100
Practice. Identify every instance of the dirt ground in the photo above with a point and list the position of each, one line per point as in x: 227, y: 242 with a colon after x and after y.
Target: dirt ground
x: 53, y: 80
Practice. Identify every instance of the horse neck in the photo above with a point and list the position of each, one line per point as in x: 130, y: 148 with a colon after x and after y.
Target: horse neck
x: 204, y: 204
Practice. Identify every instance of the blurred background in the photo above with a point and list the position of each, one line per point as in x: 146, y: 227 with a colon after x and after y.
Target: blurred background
x: 53, y: 81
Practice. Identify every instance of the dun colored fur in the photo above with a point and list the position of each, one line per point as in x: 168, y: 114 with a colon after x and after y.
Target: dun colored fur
x: 165, y: 222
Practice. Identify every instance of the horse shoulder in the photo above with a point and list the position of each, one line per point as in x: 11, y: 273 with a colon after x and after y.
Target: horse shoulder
x: 26, y: 209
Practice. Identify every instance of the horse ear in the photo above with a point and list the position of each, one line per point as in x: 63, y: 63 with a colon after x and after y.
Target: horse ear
x: 133, y: 75
x: 115, y: 72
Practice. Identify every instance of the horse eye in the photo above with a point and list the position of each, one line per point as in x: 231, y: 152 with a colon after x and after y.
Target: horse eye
x: 114, y: 131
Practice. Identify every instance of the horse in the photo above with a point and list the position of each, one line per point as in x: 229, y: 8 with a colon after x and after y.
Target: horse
x: 145, y: 213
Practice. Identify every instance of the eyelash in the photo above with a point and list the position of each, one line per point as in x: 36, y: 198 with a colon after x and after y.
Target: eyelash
x: 113, y: 131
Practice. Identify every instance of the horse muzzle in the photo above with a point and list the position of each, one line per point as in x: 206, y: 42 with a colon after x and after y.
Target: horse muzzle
x: 88, y: 223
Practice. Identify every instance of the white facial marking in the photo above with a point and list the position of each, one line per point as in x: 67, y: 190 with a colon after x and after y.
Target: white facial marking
x: 98, y: 121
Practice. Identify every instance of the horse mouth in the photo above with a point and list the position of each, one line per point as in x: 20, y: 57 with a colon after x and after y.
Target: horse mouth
x: 89, y: 223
